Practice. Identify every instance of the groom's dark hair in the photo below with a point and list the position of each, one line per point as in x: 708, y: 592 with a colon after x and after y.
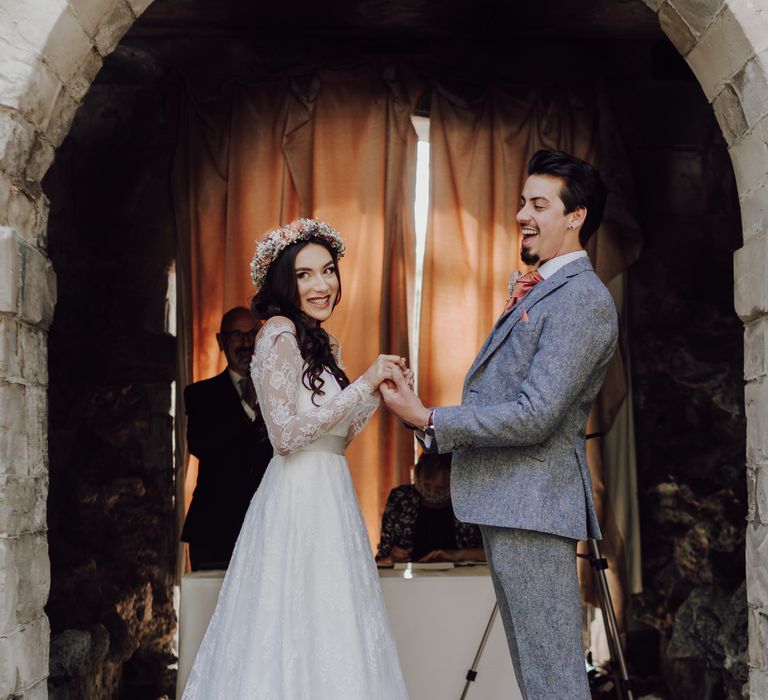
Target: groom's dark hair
x: 582, y: 186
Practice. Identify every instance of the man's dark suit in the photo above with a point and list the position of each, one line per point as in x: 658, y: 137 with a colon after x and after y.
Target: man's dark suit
x: 233, y: 452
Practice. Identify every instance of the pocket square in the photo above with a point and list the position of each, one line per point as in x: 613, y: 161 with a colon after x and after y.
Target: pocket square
x: 524, y: 315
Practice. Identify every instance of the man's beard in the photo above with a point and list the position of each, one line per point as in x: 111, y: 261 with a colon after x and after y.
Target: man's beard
x: 528, y: 258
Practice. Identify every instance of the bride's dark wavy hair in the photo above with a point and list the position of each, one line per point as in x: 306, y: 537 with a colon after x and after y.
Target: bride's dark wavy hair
x: 279, y: 296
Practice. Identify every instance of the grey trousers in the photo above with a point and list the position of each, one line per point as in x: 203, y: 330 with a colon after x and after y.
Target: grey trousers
x: 534, y: 575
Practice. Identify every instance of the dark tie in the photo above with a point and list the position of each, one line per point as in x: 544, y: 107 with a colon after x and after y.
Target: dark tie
x: 246, y: 393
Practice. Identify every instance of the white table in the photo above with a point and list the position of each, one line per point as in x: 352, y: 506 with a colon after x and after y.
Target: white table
x: 438, y: 619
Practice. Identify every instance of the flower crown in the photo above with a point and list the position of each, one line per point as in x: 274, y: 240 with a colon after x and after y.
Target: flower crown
x: 277, y: 240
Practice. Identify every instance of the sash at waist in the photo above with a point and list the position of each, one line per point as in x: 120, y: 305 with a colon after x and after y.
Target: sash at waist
x: 327, y: 443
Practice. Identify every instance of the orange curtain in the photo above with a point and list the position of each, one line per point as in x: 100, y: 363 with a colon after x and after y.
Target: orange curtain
x: 336, y: 148
x: 479, y: 154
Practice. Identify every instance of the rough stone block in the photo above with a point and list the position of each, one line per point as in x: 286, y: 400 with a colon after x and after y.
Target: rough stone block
x: 5, y: 194
x: 699, y: 14
x: 751, y: 85
x: 654, y: 4
x: 10, y: 271
x: 756, y: 647
x: 754, y: 212
x: 114, y: 25
x: 87, y: 71
x: 723, y: 49
x: 28, y: 86
x: 67, y: 46
x: 10, y: 365
x: 729, y: 114
x: 761, y: 495
x: 27, y: 212
x: 756, y: 349
x: 40, y: 158
x: 62, y: 114
x: 756, y: 410
x: 36, y: 429
x: 757, y: 568
x: 9, y: 586
x: 33, y: 662
x: 752, y: 512
x: 751, y: 282
x: 38, y: 287
x: 16, y: 138
x: 9, y: 650
x: 37, y: 692
x: 22, y: 505
x: 676, y: 29
x: 749, y: 157
x: 91, y: 13
x: 29, y: 22
x: 32, y: 354
x: 138, y: 6
x: 13, y: 438
x: 34, y: 577
x: 758, y: 684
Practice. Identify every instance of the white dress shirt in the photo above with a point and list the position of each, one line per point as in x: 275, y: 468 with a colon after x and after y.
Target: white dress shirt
x: 549, y: 268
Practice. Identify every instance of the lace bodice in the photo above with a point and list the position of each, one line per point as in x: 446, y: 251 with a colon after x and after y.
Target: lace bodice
x: 293, y: 421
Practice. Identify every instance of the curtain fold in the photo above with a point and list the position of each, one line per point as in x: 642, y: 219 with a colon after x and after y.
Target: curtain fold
x: 479, y: 153
x: 333, y: 146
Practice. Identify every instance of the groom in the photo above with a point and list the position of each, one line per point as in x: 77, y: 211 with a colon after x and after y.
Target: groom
x: 519, y: 464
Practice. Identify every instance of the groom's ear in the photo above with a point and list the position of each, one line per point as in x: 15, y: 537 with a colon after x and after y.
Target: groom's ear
x: 577, y: 217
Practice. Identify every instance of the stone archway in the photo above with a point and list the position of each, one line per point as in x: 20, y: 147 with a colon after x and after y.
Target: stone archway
x: 51, y: 54
x: 724, y: 44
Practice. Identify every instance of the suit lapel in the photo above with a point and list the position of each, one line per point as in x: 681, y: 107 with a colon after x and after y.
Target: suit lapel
x: 539, y: 292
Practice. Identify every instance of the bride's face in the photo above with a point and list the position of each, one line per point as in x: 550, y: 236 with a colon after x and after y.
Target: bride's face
x: 317, y: 281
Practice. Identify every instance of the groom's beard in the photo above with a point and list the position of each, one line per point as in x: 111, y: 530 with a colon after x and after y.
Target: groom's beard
x: 528, y: 258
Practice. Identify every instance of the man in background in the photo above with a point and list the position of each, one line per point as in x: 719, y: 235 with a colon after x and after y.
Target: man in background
x: 226, y: 432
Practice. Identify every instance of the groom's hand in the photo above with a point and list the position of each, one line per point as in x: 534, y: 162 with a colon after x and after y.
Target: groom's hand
x: 401, y: 400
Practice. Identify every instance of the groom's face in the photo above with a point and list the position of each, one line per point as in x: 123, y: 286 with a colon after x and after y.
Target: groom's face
x: 543, y: 221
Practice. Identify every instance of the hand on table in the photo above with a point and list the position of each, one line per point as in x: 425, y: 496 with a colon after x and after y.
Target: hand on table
x: 439, y: 555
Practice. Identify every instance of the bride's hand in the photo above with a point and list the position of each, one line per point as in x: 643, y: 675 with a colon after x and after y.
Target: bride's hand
x: 383, y: 368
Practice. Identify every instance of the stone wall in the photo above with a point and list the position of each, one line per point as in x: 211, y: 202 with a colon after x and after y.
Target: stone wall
x: 686, y: 350
x: 111, y: 521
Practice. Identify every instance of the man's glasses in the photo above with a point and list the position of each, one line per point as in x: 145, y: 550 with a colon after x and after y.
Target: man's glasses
x: 239, y: 336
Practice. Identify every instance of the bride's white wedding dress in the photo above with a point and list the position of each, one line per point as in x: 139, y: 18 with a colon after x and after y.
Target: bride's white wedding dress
x: 300, y: 615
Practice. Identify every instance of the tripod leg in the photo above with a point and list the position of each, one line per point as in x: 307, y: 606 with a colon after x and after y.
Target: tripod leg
x: 472, y: 673
x: 599, y: 564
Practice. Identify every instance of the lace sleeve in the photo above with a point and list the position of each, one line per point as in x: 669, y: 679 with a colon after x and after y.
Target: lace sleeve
x: 276, y: 369
x: 362, y: 414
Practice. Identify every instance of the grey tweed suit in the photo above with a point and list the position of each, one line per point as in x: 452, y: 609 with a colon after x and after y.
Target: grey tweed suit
x: 520, y: 471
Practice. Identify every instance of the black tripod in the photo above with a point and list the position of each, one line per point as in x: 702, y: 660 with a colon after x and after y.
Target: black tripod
x: 618, y: 667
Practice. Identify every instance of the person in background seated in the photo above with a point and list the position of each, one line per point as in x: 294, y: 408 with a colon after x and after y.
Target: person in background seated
x: 226, y: 432
x: 419, y: 523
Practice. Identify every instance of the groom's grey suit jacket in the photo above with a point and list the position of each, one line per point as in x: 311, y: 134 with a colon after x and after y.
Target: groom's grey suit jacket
x: 518, y: 437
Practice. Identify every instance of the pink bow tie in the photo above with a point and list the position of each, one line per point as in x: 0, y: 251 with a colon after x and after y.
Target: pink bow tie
x: 523, y: 285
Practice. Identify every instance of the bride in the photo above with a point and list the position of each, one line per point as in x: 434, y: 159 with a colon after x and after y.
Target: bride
x: 300, y: 614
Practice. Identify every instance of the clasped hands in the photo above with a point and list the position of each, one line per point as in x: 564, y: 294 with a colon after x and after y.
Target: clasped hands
x: 393, y: 379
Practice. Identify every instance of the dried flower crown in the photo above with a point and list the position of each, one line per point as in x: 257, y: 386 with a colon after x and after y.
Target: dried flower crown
x: 277, y: 240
